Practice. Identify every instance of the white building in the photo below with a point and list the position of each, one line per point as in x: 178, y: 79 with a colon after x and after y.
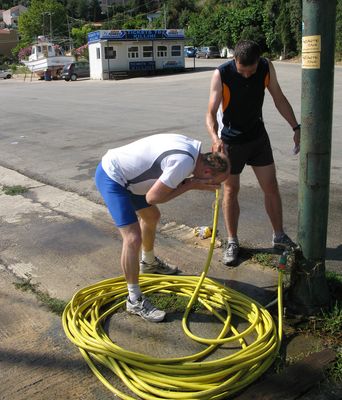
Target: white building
x: 134, y: 51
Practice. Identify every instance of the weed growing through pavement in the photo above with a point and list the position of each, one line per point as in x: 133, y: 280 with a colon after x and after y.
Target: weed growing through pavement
x: 332, y: 321
x: 173, y: 302
x: 327, y: 326
x: 265, y: 259
x: 332, y: 325
x: 52, y: 303
x: 14, y: 190
x: 334, y: 373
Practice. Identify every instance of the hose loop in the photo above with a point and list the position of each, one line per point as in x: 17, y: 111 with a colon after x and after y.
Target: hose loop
x: 187, y: 377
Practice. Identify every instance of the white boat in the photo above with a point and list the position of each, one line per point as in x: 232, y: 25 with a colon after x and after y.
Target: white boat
x: 46, y: 59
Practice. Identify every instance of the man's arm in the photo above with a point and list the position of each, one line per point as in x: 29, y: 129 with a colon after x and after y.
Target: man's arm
x: 160, y: 193
x: 215, y: 99
x: 282, y: 104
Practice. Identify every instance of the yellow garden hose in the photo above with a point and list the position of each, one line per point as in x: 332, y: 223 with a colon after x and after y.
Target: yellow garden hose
x: 188, y: 377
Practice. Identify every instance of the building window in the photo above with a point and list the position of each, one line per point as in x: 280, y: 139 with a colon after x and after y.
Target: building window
x: 147, y: 51
x: 133, y: 52
x: 110, y: 53
x: 175, y: 51
x: 98, y: 53
x: 162, y: 51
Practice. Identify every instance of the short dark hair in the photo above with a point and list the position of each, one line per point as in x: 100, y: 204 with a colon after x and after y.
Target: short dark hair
x: 247, y: 52
x: 218, y: 162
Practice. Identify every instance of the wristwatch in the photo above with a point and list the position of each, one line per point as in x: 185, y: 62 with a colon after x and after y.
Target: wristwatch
x: 296, y: 128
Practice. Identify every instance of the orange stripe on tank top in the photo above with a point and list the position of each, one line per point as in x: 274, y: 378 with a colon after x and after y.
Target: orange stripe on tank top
x: 225, y: 97
x: 267, y: 79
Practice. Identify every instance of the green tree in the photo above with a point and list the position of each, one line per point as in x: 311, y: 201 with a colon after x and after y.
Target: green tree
x: 138, y: 22
x: 247, y: 23
x: 42, y: 17
x: 225, y: 24
x: 94, y: 10
x: 82, y: 10
x: 283, y: 27
x: 140, y: 7
x: 80, y: 35
x: 200, y: 28
x: 270, y: 14
x: 72, y: 8
x: 7, y: 4
x: 172, y: 10
x: 295, y: 12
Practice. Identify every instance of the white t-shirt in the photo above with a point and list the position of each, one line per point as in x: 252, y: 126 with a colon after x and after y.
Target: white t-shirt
x: 168, y: 157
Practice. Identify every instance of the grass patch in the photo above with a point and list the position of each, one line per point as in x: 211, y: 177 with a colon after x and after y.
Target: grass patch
x: 265, y: 259
x: 328, y: 323
x: 332, y: 322
x: 334, y: 373
x: 332, y: 319
x: 14, y: 190
x: 21, y: 69
x: 171, y: 302
x: 327, y: 326
x: 334, y: 281
x: 52, y: 303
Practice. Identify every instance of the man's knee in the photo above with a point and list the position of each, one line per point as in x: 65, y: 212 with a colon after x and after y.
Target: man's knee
x: 271, y: 188
x: 133, y: 241
x: 156, y: 214
x: 150, y: 215
x: 231, y: 189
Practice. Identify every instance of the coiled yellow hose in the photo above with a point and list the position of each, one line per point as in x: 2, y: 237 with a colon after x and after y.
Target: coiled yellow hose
x: 189, y: 377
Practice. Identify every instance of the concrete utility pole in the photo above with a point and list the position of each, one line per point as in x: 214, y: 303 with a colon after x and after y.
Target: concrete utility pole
x: 309, y: 292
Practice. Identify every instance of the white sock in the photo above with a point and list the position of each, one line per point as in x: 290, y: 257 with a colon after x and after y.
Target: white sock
x: 134, y: 291
x: 148, y: 256
x: 233, y: 240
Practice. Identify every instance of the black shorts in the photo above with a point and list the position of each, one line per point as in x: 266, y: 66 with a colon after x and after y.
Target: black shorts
x: 257, y: 153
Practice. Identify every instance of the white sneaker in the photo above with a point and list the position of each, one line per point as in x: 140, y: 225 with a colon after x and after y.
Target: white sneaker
x: 157, y: 267
x: 230, y: 254
x: 145, y: 309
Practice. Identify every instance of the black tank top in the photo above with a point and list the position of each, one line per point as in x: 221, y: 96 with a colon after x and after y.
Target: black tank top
x: 242, y: 101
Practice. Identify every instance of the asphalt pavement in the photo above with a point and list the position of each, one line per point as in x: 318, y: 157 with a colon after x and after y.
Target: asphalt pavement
x: 63, y: 242
x: 56, y: 132
x: 60, y: 242
x: 59, y: 235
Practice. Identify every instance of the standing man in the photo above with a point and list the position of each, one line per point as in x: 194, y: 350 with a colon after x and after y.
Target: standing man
x: 132, y: 179
x: 237, y: 95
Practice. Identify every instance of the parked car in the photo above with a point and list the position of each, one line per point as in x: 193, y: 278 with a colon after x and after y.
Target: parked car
x: 208, y: 52
x: 227, y: 52
x: 72, y: 71
x: 6, y: 74
x: 190, y: 51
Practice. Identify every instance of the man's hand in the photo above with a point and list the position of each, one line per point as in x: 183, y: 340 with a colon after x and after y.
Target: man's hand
x: 218, y: 146
x: 296, y: 139
x: 160, y: 193
x: 202, y: 184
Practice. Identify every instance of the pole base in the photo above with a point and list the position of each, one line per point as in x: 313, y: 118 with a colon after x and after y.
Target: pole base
x: 309, y: 293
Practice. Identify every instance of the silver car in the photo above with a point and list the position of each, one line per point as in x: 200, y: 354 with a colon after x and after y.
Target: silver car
x: 208, y: 52
x: 6, y: 74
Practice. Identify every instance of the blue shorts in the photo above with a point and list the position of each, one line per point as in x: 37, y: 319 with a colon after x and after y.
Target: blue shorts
x: 121, y: 203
